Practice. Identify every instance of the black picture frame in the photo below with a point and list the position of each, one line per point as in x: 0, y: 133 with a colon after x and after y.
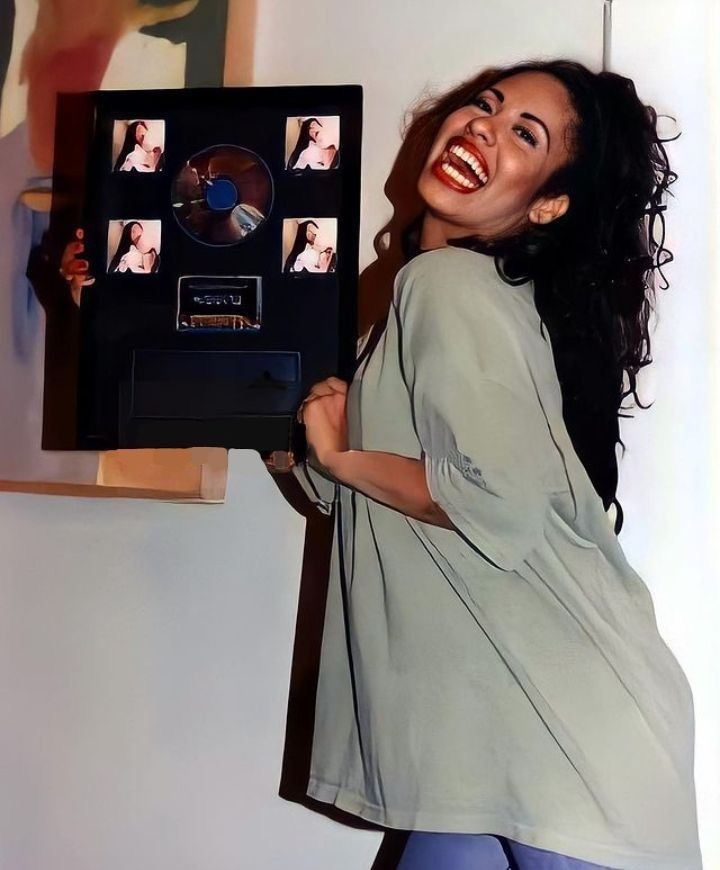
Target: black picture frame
x: 130, y: 343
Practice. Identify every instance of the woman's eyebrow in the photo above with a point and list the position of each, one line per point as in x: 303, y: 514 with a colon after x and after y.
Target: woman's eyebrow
x: 538, y: 121
x: 501, y: 97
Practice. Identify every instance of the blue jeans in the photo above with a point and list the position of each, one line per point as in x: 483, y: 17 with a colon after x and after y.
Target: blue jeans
x: 425, y: 851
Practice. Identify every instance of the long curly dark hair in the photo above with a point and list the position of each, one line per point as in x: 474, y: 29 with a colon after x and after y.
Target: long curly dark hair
x: 301, y: 240
x: 129, y: 143
x: 124, y: 244
x: 303, y: 140
x: 595, y: 268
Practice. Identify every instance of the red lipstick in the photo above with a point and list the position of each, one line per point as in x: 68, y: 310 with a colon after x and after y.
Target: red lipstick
x: 461, y: 167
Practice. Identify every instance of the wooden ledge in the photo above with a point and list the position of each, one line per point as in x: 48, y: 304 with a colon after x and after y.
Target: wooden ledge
x: 196, y: 474
x: 93, y: 490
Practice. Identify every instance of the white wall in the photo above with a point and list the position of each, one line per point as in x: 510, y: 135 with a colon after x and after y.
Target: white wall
x: 669, y: 478
x: 145, y: 653
x: 397, y: 50
x: 145, y: 648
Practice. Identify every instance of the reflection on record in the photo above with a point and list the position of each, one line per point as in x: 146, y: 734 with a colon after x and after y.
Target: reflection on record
x: 222, y: 195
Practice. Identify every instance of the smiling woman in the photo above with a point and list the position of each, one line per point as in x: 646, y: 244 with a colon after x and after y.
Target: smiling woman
x: 492, y: 676
x: 495, y: 145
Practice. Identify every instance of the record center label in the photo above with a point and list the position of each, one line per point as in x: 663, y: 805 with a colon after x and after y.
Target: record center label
x: 222, y: 194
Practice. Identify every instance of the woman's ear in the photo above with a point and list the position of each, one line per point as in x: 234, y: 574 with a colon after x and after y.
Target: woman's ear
x: 548, y: 208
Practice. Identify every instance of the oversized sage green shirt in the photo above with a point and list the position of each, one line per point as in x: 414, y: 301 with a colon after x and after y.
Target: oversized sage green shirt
x: 506, y: 677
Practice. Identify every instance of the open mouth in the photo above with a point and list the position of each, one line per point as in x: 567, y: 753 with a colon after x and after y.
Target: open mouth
x: 461, y: 166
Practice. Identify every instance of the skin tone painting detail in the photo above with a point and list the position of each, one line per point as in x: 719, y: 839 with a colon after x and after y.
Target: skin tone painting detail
x: 69, y: 51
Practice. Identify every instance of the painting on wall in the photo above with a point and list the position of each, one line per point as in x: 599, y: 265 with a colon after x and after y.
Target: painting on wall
x: 70, y: 46
x: 53, y: 46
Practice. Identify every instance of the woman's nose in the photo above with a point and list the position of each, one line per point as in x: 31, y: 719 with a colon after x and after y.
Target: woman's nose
x: 482, y: 128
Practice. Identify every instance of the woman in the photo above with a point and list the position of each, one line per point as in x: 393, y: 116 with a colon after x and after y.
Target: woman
x: 311, y: 149
x: 128, y: 256
x: 304, y: 256
x: 492, y: 678
x: 139, y: 152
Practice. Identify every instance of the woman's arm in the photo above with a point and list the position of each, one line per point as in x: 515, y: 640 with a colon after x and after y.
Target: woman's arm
x: 396, y: 481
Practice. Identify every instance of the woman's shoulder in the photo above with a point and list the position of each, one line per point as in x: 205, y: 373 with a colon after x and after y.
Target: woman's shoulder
x: 454, y: 280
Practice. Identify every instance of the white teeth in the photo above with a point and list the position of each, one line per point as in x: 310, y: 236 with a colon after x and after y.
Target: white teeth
x: 457, y: 176
x: 471, y: 161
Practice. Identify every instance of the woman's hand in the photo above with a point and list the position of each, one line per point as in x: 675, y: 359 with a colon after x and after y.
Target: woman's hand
x: 324, y: 413
x: 393, y: 480
x: 74, y: 270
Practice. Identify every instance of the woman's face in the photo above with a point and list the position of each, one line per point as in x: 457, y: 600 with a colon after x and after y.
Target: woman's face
x: 135, y: 234
x: 491, y: 157
x: 311, y: 234
x: 140, y: 133
x: 314, y: 130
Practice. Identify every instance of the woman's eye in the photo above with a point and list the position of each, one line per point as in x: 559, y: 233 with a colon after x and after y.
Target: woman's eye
x: 481, y: 103
x: 525, y: 134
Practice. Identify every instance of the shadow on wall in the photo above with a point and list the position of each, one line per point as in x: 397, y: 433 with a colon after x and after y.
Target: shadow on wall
x: 392, y: 244
x: 375, y: 294
x: 304, y: 674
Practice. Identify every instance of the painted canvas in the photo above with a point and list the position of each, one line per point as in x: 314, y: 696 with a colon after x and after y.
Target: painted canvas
x: 46, y: 47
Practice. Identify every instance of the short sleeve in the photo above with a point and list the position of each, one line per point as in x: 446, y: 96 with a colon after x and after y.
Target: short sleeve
x: 481, y: 428
x: 319, y: 489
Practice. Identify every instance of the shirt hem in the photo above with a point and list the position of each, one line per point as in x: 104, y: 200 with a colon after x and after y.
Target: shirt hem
x: 485, y: 823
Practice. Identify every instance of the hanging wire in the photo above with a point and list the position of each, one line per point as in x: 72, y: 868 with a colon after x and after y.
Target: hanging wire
x: 607, y: 34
